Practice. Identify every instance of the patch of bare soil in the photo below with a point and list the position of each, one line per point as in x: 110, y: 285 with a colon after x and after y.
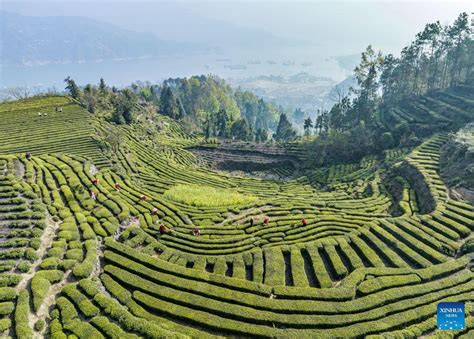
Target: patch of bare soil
x: 19, y: 169
x: 99, y: 254
x: 247, y: 157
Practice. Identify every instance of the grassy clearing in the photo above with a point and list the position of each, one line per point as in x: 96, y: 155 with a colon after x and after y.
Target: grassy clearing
x: 206, y: 196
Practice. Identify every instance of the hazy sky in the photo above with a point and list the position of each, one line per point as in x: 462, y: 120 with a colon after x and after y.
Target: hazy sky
x: 344, y: 26
x: 310, y: 32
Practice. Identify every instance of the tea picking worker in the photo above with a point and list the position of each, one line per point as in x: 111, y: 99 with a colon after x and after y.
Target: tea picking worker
x: 251, y: 221
x: 117, y: 186
x: 266, y: 220
x: 143, y: 198
x: 163, y: 229
x: 196, y: 232
x: 28, y: 156
x: 154, y: 211
x: 95, y: 181
x: 304, y: 222
x: 93, y: 196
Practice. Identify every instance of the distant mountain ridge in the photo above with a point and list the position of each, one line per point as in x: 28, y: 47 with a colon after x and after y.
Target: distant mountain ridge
x: 28, y: 40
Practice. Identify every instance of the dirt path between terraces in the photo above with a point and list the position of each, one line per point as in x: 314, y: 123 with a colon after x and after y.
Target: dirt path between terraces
x: 93, y: 170
x: 233, y: 218
x: 19, y: 168
x: 43, y: 310
x: 99, y: 255
x: 46, y: 241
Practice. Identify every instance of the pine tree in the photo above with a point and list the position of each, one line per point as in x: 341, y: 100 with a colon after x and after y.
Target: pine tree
x: 367, y: 74
x: 241, y: 130
x: 170, y: 104
x: 102, y: 86
x: 73, y: 89
x: 89, y: 98
x: 307, y: 125
x: 207, y: 126
x: 285, y: 131
x: 124, y: 107
x: 298, y: 116
x: 222, y: 122
x: 180, y: 112
x: 318, y: 125
x: 261, y: 135
x: 439, y: 56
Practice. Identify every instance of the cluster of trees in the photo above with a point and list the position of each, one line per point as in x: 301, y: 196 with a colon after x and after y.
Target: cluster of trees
x: 123, y: 103
x: 440, y: 56
x: 204, y: 104
x: 195, y: 97
x: 211, y: 106
x: 284, y: 131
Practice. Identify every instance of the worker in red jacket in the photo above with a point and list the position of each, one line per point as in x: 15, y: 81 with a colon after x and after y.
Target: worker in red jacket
x: 266, y: 220
x: 304, y: 222
x: 163, y: 229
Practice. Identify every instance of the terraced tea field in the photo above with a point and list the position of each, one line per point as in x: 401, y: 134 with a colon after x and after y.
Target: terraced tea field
x: 437, y: 109
x: 35, y: 126
x: 137, y: 239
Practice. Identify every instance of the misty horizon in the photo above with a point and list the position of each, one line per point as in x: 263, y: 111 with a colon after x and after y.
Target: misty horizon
x: 318, y: 43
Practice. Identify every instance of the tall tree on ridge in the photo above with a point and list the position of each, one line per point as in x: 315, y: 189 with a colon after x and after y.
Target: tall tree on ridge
x: 102, y: 86
x: 367, y: 75
x: 285, y: 131
x: 307, y: 125
x: 170, y: 104
x: 73, y: 89
x: 222, y: 122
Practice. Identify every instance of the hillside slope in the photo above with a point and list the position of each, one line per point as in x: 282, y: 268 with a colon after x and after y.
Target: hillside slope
x: 84, y: 248
x: 458, y: 162
x: 435, y: 111
x: 37, y: 126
